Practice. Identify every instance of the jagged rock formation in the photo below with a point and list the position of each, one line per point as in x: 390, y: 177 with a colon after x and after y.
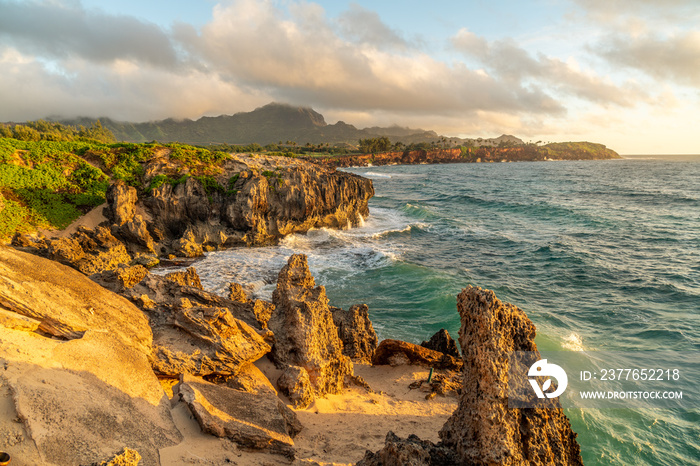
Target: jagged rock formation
x: 483, y: 429
x: 194, y: 331
x: 268, y: 198
x: 245, y: 200
x: 294, y: 383
x: 128, y: 457
x: 88, y: 250
x: 78, y: 379
x: 187, y: 278
x: 305, y: 334
x: 411, y: 451
x: 442, y: 342
x: 356, y: 332
x: 126, y: 223
x: 396, y: 352
x: 253, y: 420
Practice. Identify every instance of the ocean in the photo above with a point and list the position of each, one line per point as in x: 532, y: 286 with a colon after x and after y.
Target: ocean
x: 601, y: 255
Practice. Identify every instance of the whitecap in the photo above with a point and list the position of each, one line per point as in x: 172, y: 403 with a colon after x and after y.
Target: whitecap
x: 376, y: 175
x: 573, y: 342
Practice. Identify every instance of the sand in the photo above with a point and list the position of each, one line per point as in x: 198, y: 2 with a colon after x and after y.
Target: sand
x: 338, y: 429
x: 89, y: 220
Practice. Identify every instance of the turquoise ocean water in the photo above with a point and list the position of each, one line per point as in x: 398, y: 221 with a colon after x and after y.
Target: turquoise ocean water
x: 601, y: 255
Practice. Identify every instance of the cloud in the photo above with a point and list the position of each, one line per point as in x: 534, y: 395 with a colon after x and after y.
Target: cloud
x: 60, y: 58
x: 675, y: 57
x: 504, y: 58
x: 300, y: 58
x: 364, y: 26
x: 122, y: 90
x: 67, y: 30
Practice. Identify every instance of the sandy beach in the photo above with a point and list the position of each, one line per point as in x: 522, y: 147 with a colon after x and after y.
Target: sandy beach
x: 338, y: 429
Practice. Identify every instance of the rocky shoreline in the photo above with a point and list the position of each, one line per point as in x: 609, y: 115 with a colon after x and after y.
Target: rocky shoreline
x: 114, y: 355
x: 485, y: 154
x: 104, y: 361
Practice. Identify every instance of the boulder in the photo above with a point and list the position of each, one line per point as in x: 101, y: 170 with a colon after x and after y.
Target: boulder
x: 483, y: 429
x: 125, y: 277
x: 263, y: 311
x: 392, y: 351
x: 82, y: 400
x: 187, y: 246
x: 236, y: 293
x: 66, y: 303
x: 187, y: 278
x: 128, y: 457
x: 356, y: 332
x: 411, y: 451
x: 204, y: 341
x: 136, y: 236
x: 90, y: 251
x: 249, y: 379
x: 294, y: 383
x: 305, y: 334
x: 250, y: 420
x: 121, y: 203
x: 442, y: 342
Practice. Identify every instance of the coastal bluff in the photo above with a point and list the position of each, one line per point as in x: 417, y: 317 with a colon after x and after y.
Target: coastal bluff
x: 483, y: 154
x: 128, y: 364
x: 184, y: 208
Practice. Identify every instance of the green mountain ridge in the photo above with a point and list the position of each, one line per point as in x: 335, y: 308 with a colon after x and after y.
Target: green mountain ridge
x: 269, y: 124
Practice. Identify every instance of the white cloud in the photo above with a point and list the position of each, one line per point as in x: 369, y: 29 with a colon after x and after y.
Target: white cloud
x: 509, y: 61
x: 674, y: 57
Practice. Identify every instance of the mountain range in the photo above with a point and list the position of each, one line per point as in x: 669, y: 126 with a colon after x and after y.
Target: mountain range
x: 271, y: 123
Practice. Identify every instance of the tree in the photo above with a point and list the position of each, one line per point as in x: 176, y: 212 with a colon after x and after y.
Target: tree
x: 372, y: 145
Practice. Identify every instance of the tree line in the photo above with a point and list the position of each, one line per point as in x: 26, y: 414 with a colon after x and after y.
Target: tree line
x: 42, y: 130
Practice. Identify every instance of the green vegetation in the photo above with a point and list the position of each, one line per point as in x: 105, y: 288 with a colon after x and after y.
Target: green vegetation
x: 42, y: 130
x: 373, y: 145
x: 50, y: 174
x: 45, y: 185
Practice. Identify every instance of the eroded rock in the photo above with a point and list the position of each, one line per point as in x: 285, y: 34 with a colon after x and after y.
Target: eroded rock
x: 128, y: 457
x: 305, y: 334
x: 411, y: 451
x: 194, y: 331
x: 121, y: 203
x: 186, y: 278
x: 204, y: 341
x: 393, y: 351
x: 251, y: 420
x: 90, y: 251
x: 442, y: 342
x: 294, y: 383
x: 483, y: 429
x: 356, y: 332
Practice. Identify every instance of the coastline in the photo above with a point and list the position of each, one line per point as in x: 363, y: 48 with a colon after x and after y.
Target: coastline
x: 113, y: 255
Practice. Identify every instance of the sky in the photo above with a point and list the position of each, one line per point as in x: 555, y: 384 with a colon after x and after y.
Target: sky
x: 624, y: 73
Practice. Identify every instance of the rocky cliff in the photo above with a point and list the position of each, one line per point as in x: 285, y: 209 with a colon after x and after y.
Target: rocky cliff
x: 188, y: 207
x: 63, y: 333
x: 519, y: 153
x: 484, y: 430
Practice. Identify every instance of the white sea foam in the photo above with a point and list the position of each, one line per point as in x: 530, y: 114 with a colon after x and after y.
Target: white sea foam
x: 332, y: 254
x: 573, y: 342
x: 376, y: 175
